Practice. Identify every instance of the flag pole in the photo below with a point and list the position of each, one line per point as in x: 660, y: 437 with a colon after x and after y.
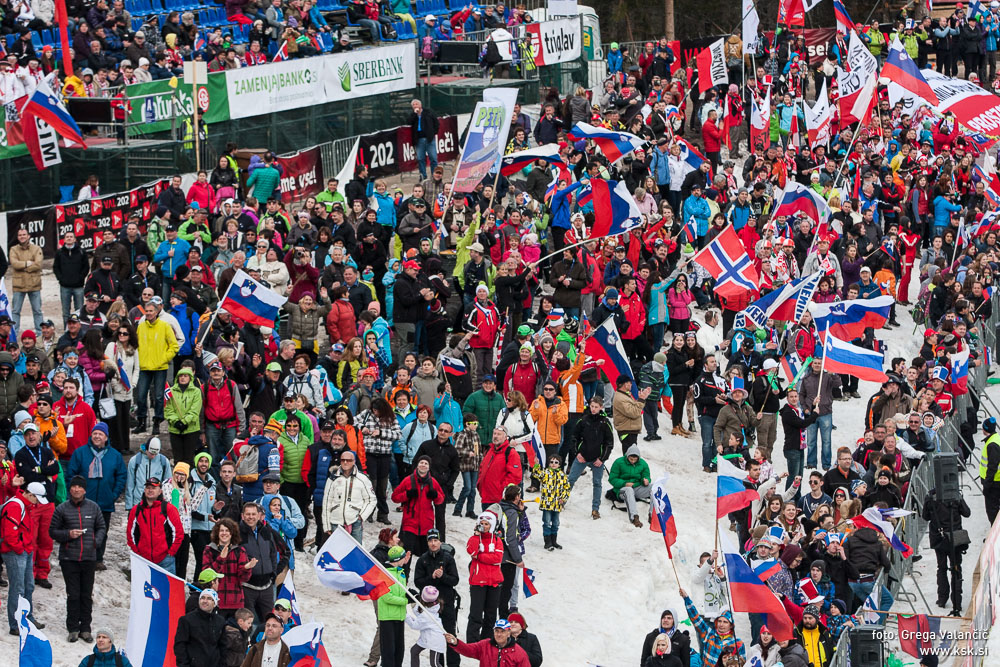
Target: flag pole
x: 674, y: 566
x: 211, y: 321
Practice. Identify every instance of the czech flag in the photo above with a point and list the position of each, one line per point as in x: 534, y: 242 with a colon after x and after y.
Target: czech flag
x: 528, y: 583
x: 344, y: 566
x: 35, y: 648
x: 846, y: 359
x: 287, y: 591
x: 305, y: 643
x: 732, y: 494
x: 45, y: 104
x: 515, y: 162
x: 615, y: 209
x: 726, y: 260
x: 797, y: 199
x: 157, y: 604
x: 767, y: 568
x: 844, y: 22
x: 960, y: 373
x: 750, y: 594
x: 901, y: 70
x: 454, y: 367
x: 872, y: 518
x: 848, y: 320
x: 606, y: 343
x: 614, y: 145
x: 251, y: 302
x: 662, y: 515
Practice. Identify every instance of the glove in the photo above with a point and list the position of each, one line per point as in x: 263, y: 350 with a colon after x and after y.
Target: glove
x: 179, y: 425
x: 198, y: 516
x: 411, y: 494
x: 432, y: 494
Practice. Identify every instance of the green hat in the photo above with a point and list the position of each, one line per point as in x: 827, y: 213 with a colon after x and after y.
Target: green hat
x: 185, y: 371
x: 614, y: 45
x: 209, y: 575
x: 273, y: 366
x: 205, y: 455
x: 524, y: 330
x: 396, y: 554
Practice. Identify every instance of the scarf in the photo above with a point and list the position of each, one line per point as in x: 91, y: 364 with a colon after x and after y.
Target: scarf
x: 96, y: 469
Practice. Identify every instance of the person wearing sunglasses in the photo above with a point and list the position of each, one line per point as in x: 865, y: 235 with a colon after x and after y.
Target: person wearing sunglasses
x: 816, y: 496
x: 349, y: 498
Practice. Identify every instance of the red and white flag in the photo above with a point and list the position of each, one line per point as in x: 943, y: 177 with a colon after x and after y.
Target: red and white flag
x: 792, y: 13
x: 726, y: 120
x: 856, y: 85
x: 760, y: 113
x: 818, y: 119
x: 712, y: 69
x: 794, y: 138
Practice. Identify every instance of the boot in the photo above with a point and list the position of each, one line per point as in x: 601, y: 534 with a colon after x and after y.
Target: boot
x: 457, y: 512
x: 676, y: 431
x: 554, y: 543
x: 595, y: 515
x: 471, y: 515
x: 140, y: 428
x: 691, y: 428
x: 548, y: 543
x: 636, y: 521
x: 384, y: 519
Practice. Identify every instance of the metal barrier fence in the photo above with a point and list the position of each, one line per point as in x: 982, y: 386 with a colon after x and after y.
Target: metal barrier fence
x: 912, y: 529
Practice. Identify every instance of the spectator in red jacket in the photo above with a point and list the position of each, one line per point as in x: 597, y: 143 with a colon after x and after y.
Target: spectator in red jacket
x: 17, y: 547
x: 485, y: 576
x: 501, y: 466
x: 418, y: 493
x: 341, y: 323
x: 154, y: 528
x: 711, y: 135
x: 484, y: 322
x: 501, y: 651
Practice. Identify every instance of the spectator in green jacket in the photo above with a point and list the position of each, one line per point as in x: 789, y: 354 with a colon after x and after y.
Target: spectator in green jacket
x: 392, y: 609
x: 630, y: 482
x: 264, y: 179
x: 486, y: 404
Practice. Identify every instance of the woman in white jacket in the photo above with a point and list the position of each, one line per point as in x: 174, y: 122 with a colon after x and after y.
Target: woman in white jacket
x: 427, y: 620
x: 348, y: 498
x: 121, y: 363
x: 517, y: 421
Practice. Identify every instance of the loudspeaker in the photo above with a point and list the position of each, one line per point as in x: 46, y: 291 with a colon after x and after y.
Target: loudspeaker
x: 946, y: 471
x: 867, y: 645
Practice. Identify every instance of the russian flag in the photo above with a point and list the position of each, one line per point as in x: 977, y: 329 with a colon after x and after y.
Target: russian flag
x: 533, y: 448
x: 872, y: 518
x: 960, y: 372
x: 45, y: 104
x: 35, y: 649
x: 615, y: 209
x: 732, y: 495
x: 251, y: 302
x: 844, y: 22
x: 848, y: 320
x: 750, y: 594
x: 515, y: 162
x: 452, y: 366
x: 767, y: 568
x: 199, y: 42
x: 797, y: 198
x: 305, y: 643
x: 662, y: 515
x: 900, y: 69
x: 606, y: 343
x: 528, y: 583
x: 344, y: 566
x: 842, y: 357
x: 287, y: 591
x: 157, y: 604
x: 614, y: 145
x: 788, y: 303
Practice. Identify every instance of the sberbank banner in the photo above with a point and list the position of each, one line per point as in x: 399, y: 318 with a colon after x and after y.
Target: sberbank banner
x: 154, y: 103
x: 297, y: 83
x: 264, y: 89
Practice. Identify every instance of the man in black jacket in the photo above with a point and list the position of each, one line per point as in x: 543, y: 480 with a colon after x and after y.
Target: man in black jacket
x: 444, y: 468
x: 261, y: 545
x: 424, y: 126
x: 709, y: 392
x: 199, y: 638
x: 71, y: 269
x: 140, y: 280
x: 593, y: 441
x: 436, y: 567
x: 410, y: 299
x: 945, y: 518
x: 795, y: 419
x: 78, y: 526
x: 171, y: 203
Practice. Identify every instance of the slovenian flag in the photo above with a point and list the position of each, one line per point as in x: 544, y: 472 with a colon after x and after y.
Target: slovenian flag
x: 122, y: 375
x: 287, y: 591
x: 454, y: 367
x: 872, y: 518
x: 515, y: 162
x: 157, y: 603
x: 615, y: 209
x: 848, y: 320
x: 251, y: 302
x: 341, y: 564
x: 960, y: 373
x: 606, y: 344
x: 732, y: 494
x: 45, y: 104
x: 528, y: 583
x: 846, y: 359
x: 844, y: 23
x: 689, y: 232
x: 798, y: 199
x: 35, y: 649
x: 690, y: 155
x: 533, y: 448
x: 614, y: 145
x: 305, y: 644
x: 901, y: 70
x: 662, y: 515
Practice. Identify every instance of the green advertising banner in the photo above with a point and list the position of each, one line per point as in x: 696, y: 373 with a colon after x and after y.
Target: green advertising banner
x: 153, y: 103
x: 8, y: 151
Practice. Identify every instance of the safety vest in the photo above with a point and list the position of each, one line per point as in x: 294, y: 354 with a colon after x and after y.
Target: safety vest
x: 994, y: 440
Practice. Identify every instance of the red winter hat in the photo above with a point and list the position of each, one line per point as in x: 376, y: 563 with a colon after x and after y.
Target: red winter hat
x: 515, y: 617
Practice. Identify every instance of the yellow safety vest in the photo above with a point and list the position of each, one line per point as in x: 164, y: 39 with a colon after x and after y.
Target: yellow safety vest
x: 994, y: 440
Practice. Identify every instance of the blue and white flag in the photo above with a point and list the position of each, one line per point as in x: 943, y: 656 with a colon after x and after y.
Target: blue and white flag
x: 36, y: 651
x: 787, y: 304
x: 251, y: 302
x: 287, y: 591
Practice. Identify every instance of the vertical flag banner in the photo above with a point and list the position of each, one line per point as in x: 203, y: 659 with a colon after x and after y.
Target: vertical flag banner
x: 760, y: 114
x: 712, y: 69
x: 751, y: 24
x: 818, y: 118
x: 157, y: 605
x: 844, y: 22
x: 486, y: 138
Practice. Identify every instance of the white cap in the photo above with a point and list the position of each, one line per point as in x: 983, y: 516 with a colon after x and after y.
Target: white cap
x: 154, y: 445
x: 38, y: 490
x: 143, y: 61
x: 769, y: 364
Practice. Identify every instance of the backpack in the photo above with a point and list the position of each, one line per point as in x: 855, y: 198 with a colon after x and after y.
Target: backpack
x: 248, y: 464
x: 922, y: 307
x: 413, y: 428
x: 428, y: 48
x: 524, y: 422
x: 92, y: 660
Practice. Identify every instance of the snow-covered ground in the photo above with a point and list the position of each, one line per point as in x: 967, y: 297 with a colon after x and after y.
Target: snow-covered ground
x: 597, y: 597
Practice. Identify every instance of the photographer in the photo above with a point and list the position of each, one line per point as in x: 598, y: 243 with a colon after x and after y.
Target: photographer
x: 949, y: 542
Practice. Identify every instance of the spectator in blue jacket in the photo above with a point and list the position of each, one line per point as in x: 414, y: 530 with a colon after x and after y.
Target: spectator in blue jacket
x: 614, y: 60
x: 447, y: 410
x: 104, y: 469
x: 659, y: 164
x: 188, y: 321
x: 696, y: 206
x: 149, y: 462
x: 943, y: 208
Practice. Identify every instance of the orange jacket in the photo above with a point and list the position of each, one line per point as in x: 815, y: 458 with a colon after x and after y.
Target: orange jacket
x: 57, y: 441
x: 549, y: 419
x: 885, y: 275
x: 355, y: 441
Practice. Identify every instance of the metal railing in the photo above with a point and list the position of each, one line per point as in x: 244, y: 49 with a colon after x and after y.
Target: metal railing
x: 912, y: 529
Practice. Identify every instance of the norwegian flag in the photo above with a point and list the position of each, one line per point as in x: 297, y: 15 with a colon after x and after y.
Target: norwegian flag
x: 282, y: 53
x: 168, y: 393
x: 727, y: 262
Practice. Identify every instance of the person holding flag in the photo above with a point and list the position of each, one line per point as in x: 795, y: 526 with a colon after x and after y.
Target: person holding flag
x: 716, y: 638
